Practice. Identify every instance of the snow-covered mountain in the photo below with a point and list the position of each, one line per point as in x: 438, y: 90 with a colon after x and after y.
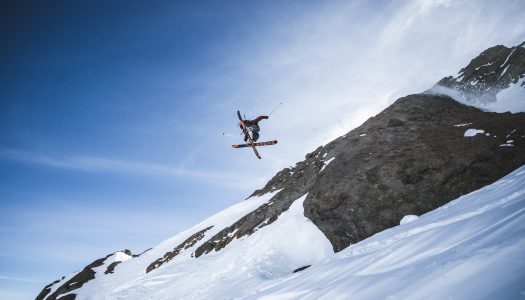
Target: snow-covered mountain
x: 348, y: 197
x: 494, y: 80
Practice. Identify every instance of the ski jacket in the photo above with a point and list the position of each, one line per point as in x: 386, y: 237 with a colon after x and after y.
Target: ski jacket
x: 255, y: 121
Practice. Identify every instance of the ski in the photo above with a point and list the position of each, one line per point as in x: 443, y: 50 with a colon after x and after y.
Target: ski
x: 255, y: 144
x: 245, y: 131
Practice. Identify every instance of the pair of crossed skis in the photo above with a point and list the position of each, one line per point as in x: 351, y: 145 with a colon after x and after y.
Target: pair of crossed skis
x: 250, y: 142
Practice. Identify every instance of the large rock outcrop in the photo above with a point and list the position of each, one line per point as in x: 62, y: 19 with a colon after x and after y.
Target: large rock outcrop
x: 410, y: 159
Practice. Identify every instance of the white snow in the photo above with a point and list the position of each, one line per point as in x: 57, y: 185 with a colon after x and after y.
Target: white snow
x: 508, y: 57
x: 485, y: 65
x: 471, y: 248
x: 508, y: 135
x: 55, y: 286
x: 511, y: 99
x: 463, y: 124
x: 509, y: 143
x: 407, y: 219
x: 472, y: 132
x: 364, y: 134
x: 273, y: 251
x: 504, y: 71
x: 326, y: 163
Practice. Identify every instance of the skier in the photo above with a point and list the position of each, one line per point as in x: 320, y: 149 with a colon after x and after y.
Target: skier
x: 253, y: 128
x: 250, y: 128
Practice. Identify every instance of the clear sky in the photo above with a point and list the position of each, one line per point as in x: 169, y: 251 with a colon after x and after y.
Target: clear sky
x: 113, y: 112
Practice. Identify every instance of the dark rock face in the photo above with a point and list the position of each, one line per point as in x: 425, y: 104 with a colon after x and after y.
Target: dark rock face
x: 74, y: 283
x: 111, y: 268
x: 78, y: 280
x: 47, y: 289
x: 486, y: 75
x: 411, y: 161
x: 188, y: 243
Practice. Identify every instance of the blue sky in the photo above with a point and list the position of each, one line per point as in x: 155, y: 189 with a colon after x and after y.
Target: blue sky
x: 113, y: 111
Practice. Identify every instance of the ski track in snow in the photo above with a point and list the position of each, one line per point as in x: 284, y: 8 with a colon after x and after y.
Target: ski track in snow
x: 471, y: 248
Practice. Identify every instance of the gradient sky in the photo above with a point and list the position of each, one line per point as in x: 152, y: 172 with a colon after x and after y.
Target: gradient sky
x: 113, y: 112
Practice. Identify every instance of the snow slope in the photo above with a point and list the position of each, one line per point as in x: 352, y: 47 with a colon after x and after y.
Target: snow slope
x: 471, y: 248
x: 272, y: 252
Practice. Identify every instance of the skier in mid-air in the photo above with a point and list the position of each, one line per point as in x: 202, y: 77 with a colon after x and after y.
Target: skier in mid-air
x: 253, y: 128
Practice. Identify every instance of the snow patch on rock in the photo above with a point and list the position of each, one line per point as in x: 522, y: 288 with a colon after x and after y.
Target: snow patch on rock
x: 462, y: 124
x: 326, y: 163
x: 472, y: 132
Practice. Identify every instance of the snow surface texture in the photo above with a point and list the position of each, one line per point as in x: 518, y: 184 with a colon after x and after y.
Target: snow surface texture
x: 511, y: 99
x: 471, y: 248
x: 407, y: 219
x: 272, y: 252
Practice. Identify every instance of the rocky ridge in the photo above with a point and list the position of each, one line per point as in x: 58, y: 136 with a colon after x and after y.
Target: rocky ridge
x: 489, y: 73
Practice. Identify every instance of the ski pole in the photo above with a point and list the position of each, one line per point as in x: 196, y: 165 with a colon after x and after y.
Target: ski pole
x: 275, y: 109
x: 228, y: 134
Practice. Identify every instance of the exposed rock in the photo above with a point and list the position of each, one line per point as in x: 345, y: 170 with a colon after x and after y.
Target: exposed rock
x: 111, y: 268
x: 486, y: 75
x: 74, y: 283
x: 77, y: 281
x: 47, y: 289
x: 188, y: 243
x: 137, y: 255
x: 301, y: 268
x: 410, y: 166
x: 294, y: 182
